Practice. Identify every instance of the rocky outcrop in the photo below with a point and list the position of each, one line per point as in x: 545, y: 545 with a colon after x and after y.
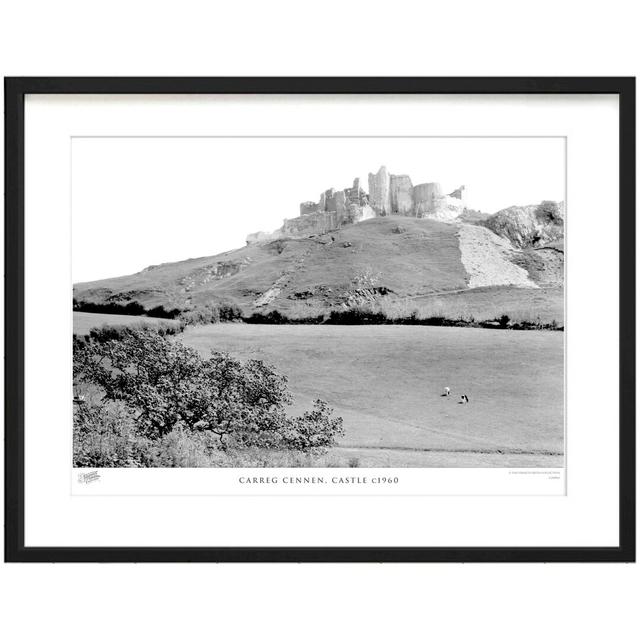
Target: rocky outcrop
x: 488, y: 260
x: 529, y: 226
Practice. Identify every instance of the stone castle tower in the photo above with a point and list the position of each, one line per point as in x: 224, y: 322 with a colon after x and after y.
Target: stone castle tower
x: 389, y: 195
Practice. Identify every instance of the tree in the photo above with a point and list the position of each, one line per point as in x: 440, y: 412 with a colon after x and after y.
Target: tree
x: 167, y: 385
x: 549, y: 212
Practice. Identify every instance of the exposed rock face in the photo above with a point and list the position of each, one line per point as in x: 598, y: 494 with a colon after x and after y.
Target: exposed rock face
x: 531, y: 225
x: 380, y: 192
x: 488, y: 259
x: 545, y: 265
x: 218, y: 271
x: 401, y: 191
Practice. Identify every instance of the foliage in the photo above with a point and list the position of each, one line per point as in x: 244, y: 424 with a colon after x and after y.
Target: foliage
x: 118, y: 332
x: 229, y: 312
x: 271, y: 317
x: 167, y: 386
x: 106, y: 435
x: 212, y: 314
x: 548, y: 212
x: 202, y: 315
x: 161, y: 312
x: 130, y: 309
x: 361, y: 314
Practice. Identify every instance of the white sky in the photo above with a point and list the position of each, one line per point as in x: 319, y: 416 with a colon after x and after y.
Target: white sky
x: 142, y: 201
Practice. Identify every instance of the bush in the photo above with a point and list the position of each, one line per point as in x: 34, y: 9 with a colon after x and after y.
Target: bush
x: 548, y: 212
x: 161, y: 312
x: 229, y: 312
x: 357, y: 315
x: 212, y: 314
x: 272, y: 317
x: 118, y: 332
x: 107, y: 436
x: 204, y: 315
x: 166, y: 385
x: 129, y: 309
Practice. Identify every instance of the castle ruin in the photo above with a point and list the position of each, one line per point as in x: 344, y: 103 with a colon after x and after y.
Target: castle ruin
x: 389, y: 195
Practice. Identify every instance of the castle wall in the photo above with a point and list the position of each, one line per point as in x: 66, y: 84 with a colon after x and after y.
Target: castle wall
x: 311, y: 224
x: 308, y: 207
x: 379, y: 192
x: 424, y: 198
x: 356, y: 194
x: 388, y: 195
x: 401, y: 193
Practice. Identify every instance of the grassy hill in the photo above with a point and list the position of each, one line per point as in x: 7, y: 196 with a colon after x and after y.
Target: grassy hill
x: 403, y: 262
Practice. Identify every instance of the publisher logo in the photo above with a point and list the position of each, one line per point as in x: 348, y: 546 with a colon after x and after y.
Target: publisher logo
x: 88, y: 477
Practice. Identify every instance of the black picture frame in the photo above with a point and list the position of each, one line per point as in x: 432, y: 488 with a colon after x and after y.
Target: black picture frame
x: 15, y: 91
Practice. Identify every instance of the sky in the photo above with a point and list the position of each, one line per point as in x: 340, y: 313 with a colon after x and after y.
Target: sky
x: 142, y: 201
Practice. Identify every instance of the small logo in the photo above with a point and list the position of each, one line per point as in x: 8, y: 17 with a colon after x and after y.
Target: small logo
x: 90, y: 476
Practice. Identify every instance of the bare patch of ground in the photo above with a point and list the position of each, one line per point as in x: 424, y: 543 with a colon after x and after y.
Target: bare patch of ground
x: 486, y: 258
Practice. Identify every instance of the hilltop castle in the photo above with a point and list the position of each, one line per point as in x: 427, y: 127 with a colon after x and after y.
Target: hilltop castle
x: 388, y: 195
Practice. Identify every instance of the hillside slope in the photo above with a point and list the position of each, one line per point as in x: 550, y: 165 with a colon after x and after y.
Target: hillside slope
x: 398, y: 258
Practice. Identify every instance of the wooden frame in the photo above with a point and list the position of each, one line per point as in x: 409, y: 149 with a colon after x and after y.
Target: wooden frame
x: 15, y: 91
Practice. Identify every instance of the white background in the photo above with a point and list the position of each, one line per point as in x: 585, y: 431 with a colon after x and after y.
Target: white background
x: 197, y: 38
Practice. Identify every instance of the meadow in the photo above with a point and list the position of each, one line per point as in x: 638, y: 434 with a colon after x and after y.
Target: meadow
x: 387, y: 383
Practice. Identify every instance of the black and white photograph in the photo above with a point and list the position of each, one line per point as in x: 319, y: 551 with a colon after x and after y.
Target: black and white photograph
x: 321, y: 301
x: 320, y: 320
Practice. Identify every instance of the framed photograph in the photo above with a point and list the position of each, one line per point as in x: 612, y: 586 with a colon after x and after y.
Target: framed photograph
x: 320, y: 319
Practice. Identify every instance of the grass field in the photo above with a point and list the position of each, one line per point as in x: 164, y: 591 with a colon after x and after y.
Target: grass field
x: 84, y: 322
x: 386, y: 382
